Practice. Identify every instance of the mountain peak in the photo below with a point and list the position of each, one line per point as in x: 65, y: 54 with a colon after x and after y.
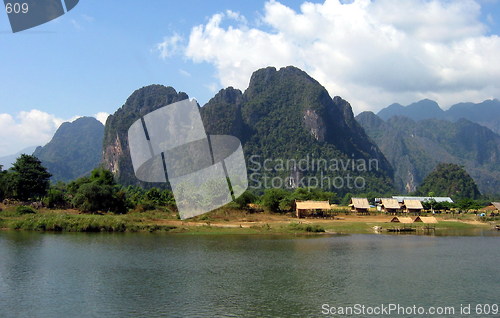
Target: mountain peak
x: 74, y: 149
x: 116, y: 156
x: 423, y: 109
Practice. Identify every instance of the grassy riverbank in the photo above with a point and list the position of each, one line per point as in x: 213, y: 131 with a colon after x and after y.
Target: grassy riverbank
x: 222, y: 221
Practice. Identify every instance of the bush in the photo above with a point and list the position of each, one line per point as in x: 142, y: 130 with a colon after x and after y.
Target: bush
x: 23, y: 209
x: 312, y: 228
x: 55, y: 199
x: 272, y: 198
x: 244, y: 199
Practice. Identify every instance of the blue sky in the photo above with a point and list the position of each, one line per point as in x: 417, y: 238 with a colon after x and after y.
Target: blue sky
x: 91, y: 59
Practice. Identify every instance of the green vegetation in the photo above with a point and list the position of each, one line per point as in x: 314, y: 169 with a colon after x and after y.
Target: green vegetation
x: 22, y: 209
x: 115, y: 145
x: 96, y: 203
x: 415, y: 148
x: 284, y: 114
x: 26, y: 180
x: 98, y: 192
x: 449, y: 180
x: 58, y: 222
x: 312, y: 228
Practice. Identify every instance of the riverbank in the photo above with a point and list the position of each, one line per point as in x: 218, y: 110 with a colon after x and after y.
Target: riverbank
x: 222, y: 221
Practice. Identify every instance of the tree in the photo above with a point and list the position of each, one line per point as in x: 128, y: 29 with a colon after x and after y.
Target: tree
x: 98, y: 192
x: 244, y: 199
x: 2, y: 183
x: 467, y: 204
x: 449, y: 179
x: 272, y: 198
x: 28, y: 179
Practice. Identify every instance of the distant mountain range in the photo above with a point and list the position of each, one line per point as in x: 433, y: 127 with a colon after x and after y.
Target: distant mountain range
x: 74, y: 150
x: 414, y: 148
x: 7, y: 161
x: 486, y: 113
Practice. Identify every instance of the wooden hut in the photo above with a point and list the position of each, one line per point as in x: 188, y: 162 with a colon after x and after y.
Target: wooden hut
x: 402, y: 219
x: 359, y: 205
x: 390, y: 205
x: 413, y: 206
x: 426, y: 219
x: 307, y: 208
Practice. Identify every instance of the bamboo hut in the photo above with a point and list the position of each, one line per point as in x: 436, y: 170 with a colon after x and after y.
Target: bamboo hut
x: 413, y: 206
x: 390, y: 205
x: 359, y: 205
x: 402, y: 219
x: 426, y: 219
x: 308, y: 208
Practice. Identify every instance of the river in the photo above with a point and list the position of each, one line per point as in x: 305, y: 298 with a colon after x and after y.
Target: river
x: 165, y: 275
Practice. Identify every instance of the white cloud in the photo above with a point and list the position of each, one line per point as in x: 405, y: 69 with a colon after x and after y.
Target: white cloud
x: 169, y: 46
x: 27, y: 128
x: 102, y: 116
x: 372, y: 53
x: 184, y: 73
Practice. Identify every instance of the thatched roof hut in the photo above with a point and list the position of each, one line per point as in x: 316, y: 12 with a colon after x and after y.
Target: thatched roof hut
x: 426, y: 219
x: 402, y: 219
x: 303, y: 208
x: 413, y: 206
x: 359, y: 204
x: 390, y: 205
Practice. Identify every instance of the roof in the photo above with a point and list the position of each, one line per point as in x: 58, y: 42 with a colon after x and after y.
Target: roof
x: 413, y: 204
x: 313, y: 205
x: 402, y: 219
x: 421, y: 199
x: 489, y: 208
x: 390, y: 203
x: 426, y: 219
x: 360, y: 203
x: 496, y: 205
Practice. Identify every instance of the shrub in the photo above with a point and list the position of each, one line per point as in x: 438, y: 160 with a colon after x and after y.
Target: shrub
x: 272, y: 198
x: 312, y: 228
x: 23, y: 209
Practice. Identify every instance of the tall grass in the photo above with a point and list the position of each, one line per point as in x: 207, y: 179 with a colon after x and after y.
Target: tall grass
x: 80, y: 223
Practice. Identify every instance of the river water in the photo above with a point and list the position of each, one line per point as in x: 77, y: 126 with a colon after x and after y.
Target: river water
x: 162, y: 275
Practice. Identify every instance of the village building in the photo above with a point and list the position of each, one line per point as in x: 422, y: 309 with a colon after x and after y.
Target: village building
x: 401, y: 199
x: 412, y: 206
x: 359, y: 205
x: 402, y: 219
x: 311, y: 208
x: 426, y: 219
x: 389, y: 205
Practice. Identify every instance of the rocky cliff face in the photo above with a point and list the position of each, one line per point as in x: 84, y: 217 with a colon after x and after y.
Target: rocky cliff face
x: 115, y: 151
x: 284, y: 114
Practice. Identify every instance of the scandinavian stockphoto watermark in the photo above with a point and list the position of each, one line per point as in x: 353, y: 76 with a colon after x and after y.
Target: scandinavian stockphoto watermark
x: 309, y: 172
x: 204, y: 171
x: 26, y: 14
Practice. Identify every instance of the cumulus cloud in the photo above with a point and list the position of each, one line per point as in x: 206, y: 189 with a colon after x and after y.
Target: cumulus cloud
x: 26, y: 129
x: 372, y: 53
x: 169, y: 46
x: 102, y: 116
